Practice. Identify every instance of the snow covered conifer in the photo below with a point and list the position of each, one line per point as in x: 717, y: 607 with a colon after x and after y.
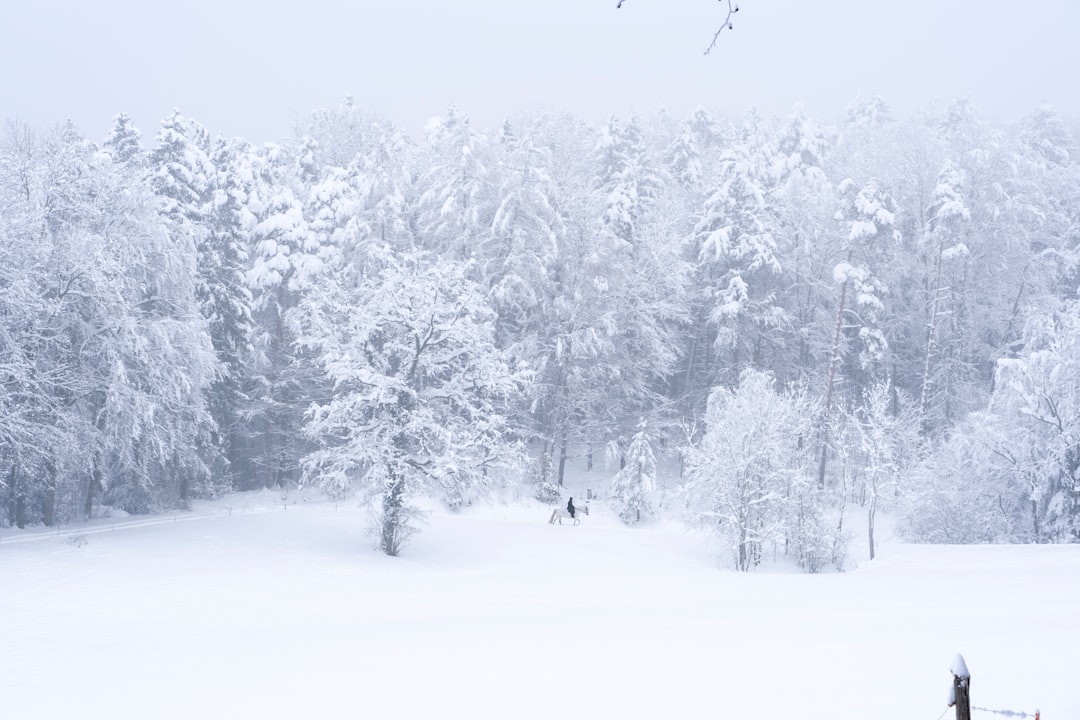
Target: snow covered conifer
x: 867, y: 221
x: 285, y: 263
x: 224, y: 297
x: 738, y: 270
x: 123, y: 141
x: 633, y: 485
x: 948, y: 216
x: 456, y: 200
x: 526, y: 233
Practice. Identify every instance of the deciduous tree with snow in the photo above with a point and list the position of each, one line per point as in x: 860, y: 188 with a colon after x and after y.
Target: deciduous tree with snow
x: 419, y: 392
x: 749, y: 466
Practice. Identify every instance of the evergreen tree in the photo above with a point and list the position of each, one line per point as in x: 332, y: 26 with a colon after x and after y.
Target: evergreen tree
x: 867, y: 220
x: 633, y: 485
x: 225, y: 300
x: 286, y: 260
x: 737, y: 264
x: 456, y: 204
x: 948, y: 215
x: 123, y: 141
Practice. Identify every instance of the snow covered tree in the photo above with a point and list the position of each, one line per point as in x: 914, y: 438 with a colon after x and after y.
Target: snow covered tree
x: 1011, y: 470
x: 225, y: 299
x: 417, y: 407
x: 633, y: 485
x: 526, y: 235
x: 602, y: 340
x: 182, y: 173
x: 123, y: 141
x: 337, y: 137
x: 737, y: 263
x: 800, y: 151
x: 684, y: 159
x: 802, y: 206
x: 948, y: 215
x: 286, y: 260
x: 1038, y: 396
x: 456, y: 202
x: 36, y: 423
x: 749, y: 464
x: 880, y: 439
x: 120, y: 356
x: 867, y: 219
x: 385, y: 216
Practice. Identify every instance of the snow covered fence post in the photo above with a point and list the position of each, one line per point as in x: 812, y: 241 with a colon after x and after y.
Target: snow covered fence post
x: 959, y: 694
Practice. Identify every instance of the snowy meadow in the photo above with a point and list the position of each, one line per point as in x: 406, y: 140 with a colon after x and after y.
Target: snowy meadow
x: 247, y: 608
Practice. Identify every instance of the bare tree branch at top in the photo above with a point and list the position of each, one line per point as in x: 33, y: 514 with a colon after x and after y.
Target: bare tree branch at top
x: 731, y: 10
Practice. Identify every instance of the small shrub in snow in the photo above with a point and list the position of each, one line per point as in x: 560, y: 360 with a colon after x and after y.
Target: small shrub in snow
x: 547, y: 492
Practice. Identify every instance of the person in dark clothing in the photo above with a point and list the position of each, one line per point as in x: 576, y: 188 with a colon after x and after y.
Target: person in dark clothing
x: 570, y: 507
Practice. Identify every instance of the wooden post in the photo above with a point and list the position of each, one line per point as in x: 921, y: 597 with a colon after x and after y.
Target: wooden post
x: 961, y: 689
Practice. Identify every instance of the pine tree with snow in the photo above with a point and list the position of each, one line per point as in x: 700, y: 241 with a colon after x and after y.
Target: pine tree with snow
x: 948, y: 217
x: 633, y: 485
x: 226, y: 301
x: 456, y: 203
x: 286, y: 262
x: 123, y: 141
x: 867, y: 220
x: 738, y: 272
x: 182, y: 174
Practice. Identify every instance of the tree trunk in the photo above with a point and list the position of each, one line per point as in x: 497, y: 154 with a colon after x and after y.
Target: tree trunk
x: 185, y: 489
x: 833, y: 363
x: 18, y: 496
x: 870, y: 522
x: 1035, y: 520
x: 91, y: 488
x: 931, y: 334
x: 562, y: 461
x: 48, y: 497
x: 393, y: 502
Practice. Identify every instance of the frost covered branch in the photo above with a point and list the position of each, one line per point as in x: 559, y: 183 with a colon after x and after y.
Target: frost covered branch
x: 731, y: 10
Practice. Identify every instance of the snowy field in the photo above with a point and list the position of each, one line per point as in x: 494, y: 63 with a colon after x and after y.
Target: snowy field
x: 268, y: 613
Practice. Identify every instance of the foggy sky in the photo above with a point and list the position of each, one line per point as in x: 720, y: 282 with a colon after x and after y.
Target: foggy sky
x: 251, y: 68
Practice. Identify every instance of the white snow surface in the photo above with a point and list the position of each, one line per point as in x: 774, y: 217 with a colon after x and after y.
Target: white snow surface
x: 247, y: 608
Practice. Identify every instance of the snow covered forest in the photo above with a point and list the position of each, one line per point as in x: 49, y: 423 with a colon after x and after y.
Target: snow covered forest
x: 806, y: 320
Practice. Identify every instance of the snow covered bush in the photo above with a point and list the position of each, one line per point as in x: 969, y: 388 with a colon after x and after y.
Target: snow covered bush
x: 813, y: 529
x: 547, y: 492
x: 958, y: 495
x: 749, y: 467
x: 1014, y: 469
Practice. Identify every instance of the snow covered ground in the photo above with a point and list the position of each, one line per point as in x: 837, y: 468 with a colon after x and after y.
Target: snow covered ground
x: 493, y: 613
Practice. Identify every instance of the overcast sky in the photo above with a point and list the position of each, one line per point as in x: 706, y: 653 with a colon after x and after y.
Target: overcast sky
x: 251, y: 68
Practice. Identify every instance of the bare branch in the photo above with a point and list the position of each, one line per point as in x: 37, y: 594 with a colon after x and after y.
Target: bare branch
x: 731, y: 10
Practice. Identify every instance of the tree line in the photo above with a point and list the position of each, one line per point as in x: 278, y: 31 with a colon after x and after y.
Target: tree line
x: 812, y: 317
